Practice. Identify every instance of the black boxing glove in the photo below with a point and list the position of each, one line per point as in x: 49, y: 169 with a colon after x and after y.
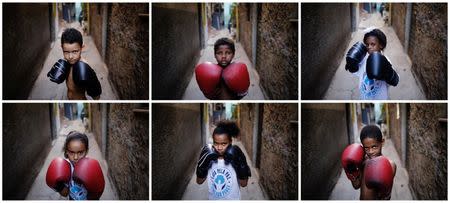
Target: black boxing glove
x: 354, y: 56
x: 234, y: 155
x: 59, y: 71
x: 207, y: 157
x: 378, y: 67
x: 84, y: 76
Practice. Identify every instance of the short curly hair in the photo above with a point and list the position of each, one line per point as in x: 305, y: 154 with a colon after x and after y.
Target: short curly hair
x: 379, y: 35
x: 224, y: 41
x: 72, y: 35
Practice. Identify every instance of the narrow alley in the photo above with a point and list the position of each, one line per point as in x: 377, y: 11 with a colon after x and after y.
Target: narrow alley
x: 412, y: 37
x: 344, y: 85
x: 44, y: 89
x: 254, y: 92
x: 117, y: 138
x: 267, y: 135
x: 397, y: 131
x: 41, y: 191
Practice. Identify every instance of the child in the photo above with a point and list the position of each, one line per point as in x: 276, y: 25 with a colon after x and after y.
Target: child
x: 367, y: 168
x: 77, y: 176
x: 374, y: 70
x: 81, y: 78
x: 226, y: 80
x: 223, y: 164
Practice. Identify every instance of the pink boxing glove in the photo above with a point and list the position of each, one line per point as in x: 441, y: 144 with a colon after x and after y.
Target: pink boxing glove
x: 208, y: 78
x: 351, y: 160
x: 236, y: 78
x: 89, y: 173
x: 378, y: 175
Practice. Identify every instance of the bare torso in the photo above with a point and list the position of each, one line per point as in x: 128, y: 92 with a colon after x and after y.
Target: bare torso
x: 74, y: 92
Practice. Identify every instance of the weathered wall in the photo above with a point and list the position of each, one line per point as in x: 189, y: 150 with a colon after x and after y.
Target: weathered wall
x: 175, y: 48
x: 95, y: 24
x: 279, y: 151
x: 398, y: 16
x: 127, y: 55
x: 96, y: 121
x: 26, y: 43
x: 326, y: 27
x: 247, y: 118
x: 26, y: 143
x: 128, y: 150
x: 176, y: 138
x: 395, y: 127
x: 324, y: 137
x: 428, y: 48
x: 427, y: 151
x: 245, y: 27
x: 277, y: 50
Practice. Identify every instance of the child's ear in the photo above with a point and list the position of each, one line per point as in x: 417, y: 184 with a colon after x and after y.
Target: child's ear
x: 382, y: 142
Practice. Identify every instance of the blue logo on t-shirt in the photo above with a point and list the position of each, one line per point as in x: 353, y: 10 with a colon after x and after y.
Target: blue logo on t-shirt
x: 222, y: 182
x: 369, y: 88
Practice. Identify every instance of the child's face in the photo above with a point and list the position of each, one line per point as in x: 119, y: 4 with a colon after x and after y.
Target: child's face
x: 221, y: 142
x: 373, y: 44
x: 224, y: 55
x: 76, y: 150
x: 372, y: 147
x: 72, y: 52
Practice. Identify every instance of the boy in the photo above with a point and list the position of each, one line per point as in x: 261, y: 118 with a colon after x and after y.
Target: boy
x: 226, y: 80
x: 223, y: 164
x: 367, y: 168
x: 79, y: 76
x: 374, y: 70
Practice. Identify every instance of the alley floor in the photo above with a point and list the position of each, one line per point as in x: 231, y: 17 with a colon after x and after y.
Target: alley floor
x: 343, y: 190
x: 253, y: 190
x: 40, y: 191
x: 254, y: 93
x: 344, y: 85
x: 45, y: 89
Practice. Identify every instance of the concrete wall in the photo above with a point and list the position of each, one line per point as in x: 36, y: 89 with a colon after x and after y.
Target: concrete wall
x: 175, y: 48
x: 176, y: 146
x: 95, y: 24
x: 277, y: 50
x: 427, y: 151
x: 326, y: 33
x: 428, y: 48
x: 26, y: 143
x: 128, y: 150
x: 279, y: 151
x: 245, y: 27
x: 324, y: 137
x: 96, y: 121
x: 26, y: 43
x: 395, y: 126
x: 247, y: 118
x: 398, y: 16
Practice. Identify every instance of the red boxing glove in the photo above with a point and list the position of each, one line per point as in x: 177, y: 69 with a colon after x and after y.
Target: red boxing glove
x: 58, y: 174
x: 236, y: 78
x: 351, y: 160
x: 378, y: 175
x: 89, y: 173
x: 208, y: 77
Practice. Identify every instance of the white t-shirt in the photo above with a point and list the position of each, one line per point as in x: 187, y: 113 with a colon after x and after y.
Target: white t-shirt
x: 76, y: 191
x: 370, y: 89
x: 223, y: 183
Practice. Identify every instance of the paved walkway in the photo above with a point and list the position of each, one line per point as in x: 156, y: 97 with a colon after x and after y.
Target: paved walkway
x: 254, y: 93
x: 44, y: 89
x: 253, y: 191
x: 343, y: 190
x: 344, y: 85
x: 40, y: 191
